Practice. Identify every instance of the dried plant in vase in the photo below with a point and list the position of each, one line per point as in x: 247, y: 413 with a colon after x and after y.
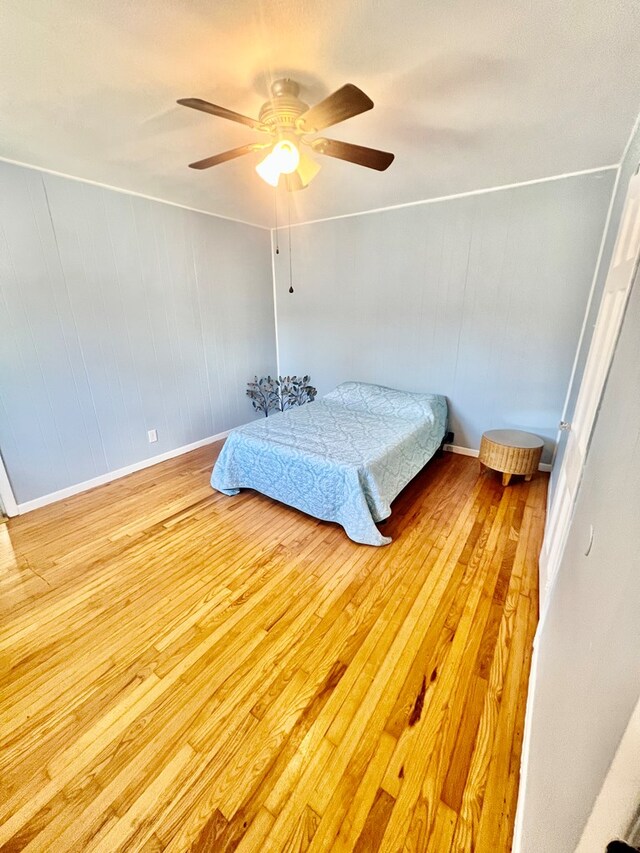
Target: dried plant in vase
x: 278, y: 395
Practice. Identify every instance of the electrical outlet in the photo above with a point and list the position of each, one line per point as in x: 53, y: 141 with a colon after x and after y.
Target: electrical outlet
x: 152, y: 435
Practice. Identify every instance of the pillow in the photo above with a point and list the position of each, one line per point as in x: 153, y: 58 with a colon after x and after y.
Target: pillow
x: 378, y: 400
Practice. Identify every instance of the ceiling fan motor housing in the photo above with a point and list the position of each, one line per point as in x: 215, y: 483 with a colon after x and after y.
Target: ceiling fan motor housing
x: 282, y: 111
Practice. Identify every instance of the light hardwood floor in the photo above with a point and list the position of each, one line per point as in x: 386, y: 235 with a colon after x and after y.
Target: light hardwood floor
x: 182, y: 671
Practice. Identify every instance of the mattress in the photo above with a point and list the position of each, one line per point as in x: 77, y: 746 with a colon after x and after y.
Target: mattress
x: 342, y: 458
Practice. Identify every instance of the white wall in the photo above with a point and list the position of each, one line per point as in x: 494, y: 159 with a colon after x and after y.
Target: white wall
x: 479, y: 298
x: 617, y: 808
x: 588, y: 649
x: 118, y: 315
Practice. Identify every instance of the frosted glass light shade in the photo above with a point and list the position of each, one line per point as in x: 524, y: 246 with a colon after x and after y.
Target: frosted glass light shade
x: 283, y: 159
x: 268, y: 170
x: 287, y: 156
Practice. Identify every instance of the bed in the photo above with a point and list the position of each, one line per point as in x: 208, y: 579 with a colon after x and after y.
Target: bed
x: 342, y: 458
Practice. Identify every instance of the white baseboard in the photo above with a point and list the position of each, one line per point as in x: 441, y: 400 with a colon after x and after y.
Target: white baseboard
x: 533, y: 676
x: 462, y: 451
x: 470, y: 451
x: 526, y: 749
x: 68, y: 492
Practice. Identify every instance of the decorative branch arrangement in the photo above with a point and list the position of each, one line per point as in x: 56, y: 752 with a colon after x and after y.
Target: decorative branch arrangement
x: 268, y: 394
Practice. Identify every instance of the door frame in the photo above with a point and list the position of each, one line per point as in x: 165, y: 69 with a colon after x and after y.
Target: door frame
x: 592, y: 385
x: 6, y: 492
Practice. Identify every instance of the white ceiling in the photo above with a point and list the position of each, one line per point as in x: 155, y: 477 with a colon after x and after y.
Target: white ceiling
x: 468, y: 94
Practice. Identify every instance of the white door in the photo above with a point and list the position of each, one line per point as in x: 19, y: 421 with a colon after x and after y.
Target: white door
x: 8, y: 504
x: 624, y: 262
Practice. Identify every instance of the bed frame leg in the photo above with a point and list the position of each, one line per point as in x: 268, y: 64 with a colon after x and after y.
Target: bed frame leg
x: 448, y: 439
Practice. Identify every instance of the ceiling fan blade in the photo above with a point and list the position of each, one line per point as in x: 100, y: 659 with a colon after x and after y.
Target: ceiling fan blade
x: 222, y: 158
x: 359, y: 154
x: 221, y: 112
x: 343, y: 104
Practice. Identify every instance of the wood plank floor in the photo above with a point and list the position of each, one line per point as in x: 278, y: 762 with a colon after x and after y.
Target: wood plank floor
x: 183, y: 671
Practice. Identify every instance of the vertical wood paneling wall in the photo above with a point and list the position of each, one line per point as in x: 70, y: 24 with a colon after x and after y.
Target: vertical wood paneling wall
x: 479, y: 298
x: 118, y: 315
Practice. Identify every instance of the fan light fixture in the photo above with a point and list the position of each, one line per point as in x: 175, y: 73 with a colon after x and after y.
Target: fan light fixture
x: 292, y: 123
x: 283, y: 159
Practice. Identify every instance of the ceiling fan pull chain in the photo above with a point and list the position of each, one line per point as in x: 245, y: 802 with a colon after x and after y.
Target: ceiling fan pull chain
x: 275, y: 210
x: 289, y: 223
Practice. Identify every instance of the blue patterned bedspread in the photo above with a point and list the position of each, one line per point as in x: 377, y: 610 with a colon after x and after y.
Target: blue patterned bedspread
x: 343, y: 458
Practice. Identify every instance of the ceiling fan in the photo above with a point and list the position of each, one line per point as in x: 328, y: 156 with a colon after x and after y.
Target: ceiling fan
x: 292, y: 123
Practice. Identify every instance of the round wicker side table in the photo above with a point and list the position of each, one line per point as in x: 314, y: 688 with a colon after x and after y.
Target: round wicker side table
x: 511, y: 451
